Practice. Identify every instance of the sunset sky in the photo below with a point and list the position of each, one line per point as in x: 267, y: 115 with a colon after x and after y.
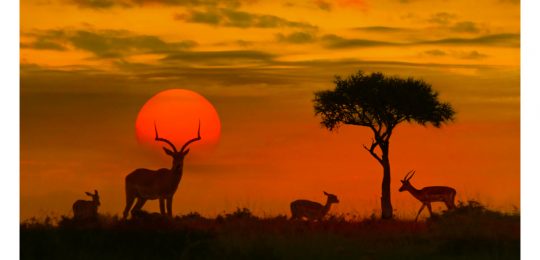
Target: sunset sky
x: 87, y: 68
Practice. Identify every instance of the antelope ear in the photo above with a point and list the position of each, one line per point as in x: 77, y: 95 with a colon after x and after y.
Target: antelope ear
x: 325, y: 193
x: 167, y: 151
x: 95, y: 192
x: 186, y: 152
x: 89, y: 194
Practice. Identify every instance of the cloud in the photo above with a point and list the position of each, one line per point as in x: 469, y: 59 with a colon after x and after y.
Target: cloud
x: 240, y: 19
x: 441, y: 18
x: 323, y: 5
x: 472, y: 55
x: 467, y: 27
x: 297, y: 37
x: 381, y: 29
x: 104, y: 43
x: 98, y: 4
x: 180, y: 72
x: 466, y: 55
x: 435, y: 53
x: 270, y: 73
x: 46, y: 40
x: 105, y: 4
x: 44, y: 44
x: 503, y: 40
x: 219, y: 57
x: 332, y: 41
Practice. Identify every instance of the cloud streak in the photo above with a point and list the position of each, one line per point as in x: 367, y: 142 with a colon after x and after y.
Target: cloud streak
x: 465, y: 55
x: 332, y: 41
x: 502, y: 40
x: 297, y: 37
x: 219, y: 58
x: 104, y: 43
x: 323, y: 5
x: 381, y: 29
x: 467, y: 27
x: 232, y: 18
x: 106, y: 4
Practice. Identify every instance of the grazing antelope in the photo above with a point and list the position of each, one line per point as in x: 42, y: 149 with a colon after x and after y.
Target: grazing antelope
x: 85, y: 209
x: 429, y: 194
x: 310, y: 209
x: 145, y: 184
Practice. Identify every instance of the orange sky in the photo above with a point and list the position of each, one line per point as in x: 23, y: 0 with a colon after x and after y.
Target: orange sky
x: 87, y: 67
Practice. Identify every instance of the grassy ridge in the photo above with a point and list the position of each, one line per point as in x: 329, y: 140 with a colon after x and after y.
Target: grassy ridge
x: 469, y: 232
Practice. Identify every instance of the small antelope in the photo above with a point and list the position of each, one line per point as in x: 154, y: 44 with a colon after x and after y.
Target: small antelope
x: 144, y: 184
x: 85, y: 209
x: 310, y: 209
x: 429, y: 194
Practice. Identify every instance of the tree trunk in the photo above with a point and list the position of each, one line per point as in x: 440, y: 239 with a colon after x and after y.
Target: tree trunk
x: 386, y: 203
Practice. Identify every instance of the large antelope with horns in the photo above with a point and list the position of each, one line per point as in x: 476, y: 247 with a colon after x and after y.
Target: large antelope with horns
x: 428, y: 194
x: 145, y: 184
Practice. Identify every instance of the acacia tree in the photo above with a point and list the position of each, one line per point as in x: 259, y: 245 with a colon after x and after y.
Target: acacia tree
x: 381, y: 103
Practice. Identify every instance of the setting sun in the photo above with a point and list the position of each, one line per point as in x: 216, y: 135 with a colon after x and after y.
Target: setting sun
x: 176, y: 113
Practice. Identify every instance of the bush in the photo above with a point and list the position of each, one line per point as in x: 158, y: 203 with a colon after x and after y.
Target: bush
x: 469, y: 231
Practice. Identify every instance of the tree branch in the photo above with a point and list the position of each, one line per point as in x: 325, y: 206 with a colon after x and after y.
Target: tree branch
x: 371, y: 150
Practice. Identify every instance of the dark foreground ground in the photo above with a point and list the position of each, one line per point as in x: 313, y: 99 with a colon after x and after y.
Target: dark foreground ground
x: 469, y: 232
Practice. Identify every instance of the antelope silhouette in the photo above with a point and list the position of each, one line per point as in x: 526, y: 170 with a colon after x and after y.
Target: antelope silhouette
x: 428, y: 194
x: 312, y: 210
x: 84, y: 209
x: 144, y: 184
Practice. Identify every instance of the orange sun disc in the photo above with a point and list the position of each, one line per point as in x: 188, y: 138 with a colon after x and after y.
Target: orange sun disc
x: 176, y: 113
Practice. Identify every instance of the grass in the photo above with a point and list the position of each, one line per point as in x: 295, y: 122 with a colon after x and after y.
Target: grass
x: 469, y: 232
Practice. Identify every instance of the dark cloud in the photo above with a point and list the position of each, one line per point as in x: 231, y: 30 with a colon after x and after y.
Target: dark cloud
x: 472, y: 55
x: 466, y: 55
x: 97, y: 4
x: 332, y: 41
x: 219, y: 57
x: 381, y: 29
x: 467, y: 27
x: 43, y: 44
x: 435, y: 53
x: 105, y: 43
x: 46, y: 40
x: 244, y: 43
x: 270, y: 73
x: 504, y: 40
x: 105, y: 4
x: 441, y: 18
x: 323, y: 5
x: 297, y: 37
x: 240, y: 19
x: 186, y: 74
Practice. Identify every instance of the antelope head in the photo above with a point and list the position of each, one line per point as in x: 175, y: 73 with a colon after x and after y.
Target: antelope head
x: 177, y: 155
x: 331, y: 197
x: 95, y: 197
x: 405, y: 182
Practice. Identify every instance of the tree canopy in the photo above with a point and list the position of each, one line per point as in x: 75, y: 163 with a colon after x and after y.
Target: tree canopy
x: 379, y: 101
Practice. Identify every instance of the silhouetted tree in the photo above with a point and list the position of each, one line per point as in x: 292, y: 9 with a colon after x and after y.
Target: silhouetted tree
x: 380, y: 103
